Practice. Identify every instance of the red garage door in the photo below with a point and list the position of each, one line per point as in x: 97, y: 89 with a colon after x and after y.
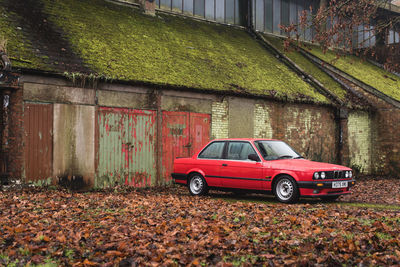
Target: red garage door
x: 184, y: 133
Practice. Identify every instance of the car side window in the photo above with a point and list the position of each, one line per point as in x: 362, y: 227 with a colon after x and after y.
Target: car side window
x: 212, y: 151
x: 239, y: 150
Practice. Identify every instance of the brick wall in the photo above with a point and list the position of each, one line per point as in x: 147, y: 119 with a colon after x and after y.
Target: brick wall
x: 262, y: 121
x: 359, y: 128
x: 385, y: 134
x: 311, y: 130
x: 219, y: 119
x: 16, y: 147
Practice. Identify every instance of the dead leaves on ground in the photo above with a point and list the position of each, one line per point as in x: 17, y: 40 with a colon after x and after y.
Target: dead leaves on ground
x: 169, y: 227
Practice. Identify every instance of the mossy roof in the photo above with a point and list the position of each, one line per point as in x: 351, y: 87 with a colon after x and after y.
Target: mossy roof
x: 119, y: 42
x: 361, y: 69
x: 310, y: 68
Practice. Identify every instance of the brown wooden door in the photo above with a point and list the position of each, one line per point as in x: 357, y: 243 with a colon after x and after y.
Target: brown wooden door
x: 38, y: 124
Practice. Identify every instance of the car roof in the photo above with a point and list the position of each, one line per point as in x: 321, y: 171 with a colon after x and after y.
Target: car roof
x: 245, y: 139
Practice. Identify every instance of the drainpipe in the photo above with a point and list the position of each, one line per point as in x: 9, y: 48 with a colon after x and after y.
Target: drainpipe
x: 5, y: 61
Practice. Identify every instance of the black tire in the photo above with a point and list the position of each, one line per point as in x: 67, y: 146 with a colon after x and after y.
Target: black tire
x: 197, y: 185
x: 286, y: 190
x: 329, y: 198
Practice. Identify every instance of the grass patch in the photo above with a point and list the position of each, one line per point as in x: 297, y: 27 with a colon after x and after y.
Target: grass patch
x: 369, y: 205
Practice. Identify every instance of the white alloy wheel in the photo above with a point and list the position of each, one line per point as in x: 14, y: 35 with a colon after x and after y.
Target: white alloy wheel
x: 286, y: 190
x: 197, y: 185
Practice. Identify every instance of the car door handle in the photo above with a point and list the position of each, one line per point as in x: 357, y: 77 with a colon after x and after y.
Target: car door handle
x: 224, y: 164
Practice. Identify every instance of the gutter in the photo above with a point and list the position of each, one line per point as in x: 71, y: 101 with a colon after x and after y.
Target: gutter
x: 327, y: 66
x: 296, y: 68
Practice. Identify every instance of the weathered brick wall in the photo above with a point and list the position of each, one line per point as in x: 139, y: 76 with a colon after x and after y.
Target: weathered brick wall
x: 16, y: 146
x: 219, y: 119
x: 311, y: 130
x: 262, y: 121
x: 385, y: 134
x: 359, y: 128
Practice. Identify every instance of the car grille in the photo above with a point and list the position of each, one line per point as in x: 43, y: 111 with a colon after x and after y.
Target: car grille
x: 335, y: 175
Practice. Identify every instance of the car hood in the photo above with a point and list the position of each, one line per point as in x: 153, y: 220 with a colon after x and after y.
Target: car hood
x: 304, y: 165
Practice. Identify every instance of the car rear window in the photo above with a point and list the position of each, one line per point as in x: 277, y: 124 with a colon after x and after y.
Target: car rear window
x: 212, y: 151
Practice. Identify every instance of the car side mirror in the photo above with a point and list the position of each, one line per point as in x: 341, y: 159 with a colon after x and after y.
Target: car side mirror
x: 253, y: 157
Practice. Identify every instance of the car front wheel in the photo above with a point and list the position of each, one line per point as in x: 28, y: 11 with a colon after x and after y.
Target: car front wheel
x: 197, y: 185
x: 286, y: 190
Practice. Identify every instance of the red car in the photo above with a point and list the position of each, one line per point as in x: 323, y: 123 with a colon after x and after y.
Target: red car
x: 269, y: 166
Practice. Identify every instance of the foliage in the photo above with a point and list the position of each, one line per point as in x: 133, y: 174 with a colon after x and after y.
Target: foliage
x: 167, y: 226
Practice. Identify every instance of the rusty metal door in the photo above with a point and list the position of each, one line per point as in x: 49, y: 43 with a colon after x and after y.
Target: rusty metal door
x: 38, y: 125
x: 126, y: 153
x: 184, y: 133
x: 199, y: 131
x: 141, y: 148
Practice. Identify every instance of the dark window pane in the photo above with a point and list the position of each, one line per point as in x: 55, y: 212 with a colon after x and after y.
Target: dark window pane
x: 188, y: 7
x: 237, y: 15
x: 220, y: 10
x: 177, y: 5
x: 277, y: 16
x: 268, y: 16
x: 199, y: 8
x: 293, y: 12
x: 229, y: 11
x: 210, y: 9
x: 165, y: 4
x: 212, y: 151
x: 285, y: 6
x: 239, y: 150
x: 259, y: 15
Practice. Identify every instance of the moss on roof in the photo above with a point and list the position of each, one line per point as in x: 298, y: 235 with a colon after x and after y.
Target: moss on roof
x: 310, y: 68
x: 384, y: 81
x: 120, y: 42
x: 19, y: 48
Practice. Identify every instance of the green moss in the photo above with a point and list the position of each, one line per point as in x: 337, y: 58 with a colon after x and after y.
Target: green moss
x: 309, y: 68
x: 19, y: 48
x: 364, y: 71
x: 121, y: 43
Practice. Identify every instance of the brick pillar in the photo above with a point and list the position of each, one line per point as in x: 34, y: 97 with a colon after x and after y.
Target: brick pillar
x: 343, y: 151
x: 16, y: 135
x: 148, y: 6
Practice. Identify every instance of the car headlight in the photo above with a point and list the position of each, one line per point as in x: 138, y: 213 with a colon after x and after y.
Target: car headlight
x: 316, y: 175
x: 346, y: 174
x: 323, y: 175
x: 350, y: 174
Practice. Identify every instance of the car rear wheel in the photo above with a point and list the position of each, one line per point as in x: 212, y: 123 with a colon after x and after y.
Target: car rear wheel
x: 286, y: 190
x: 197, y: 185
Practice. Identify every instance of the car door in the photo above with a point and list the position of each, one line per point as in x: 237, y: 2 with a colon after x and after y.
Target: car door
x: 237, y: 170
x: 209, y: 161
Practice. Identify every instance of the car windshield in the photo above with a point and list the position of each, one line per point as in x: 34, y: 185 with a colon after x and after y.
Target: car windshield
x: 273, y: 150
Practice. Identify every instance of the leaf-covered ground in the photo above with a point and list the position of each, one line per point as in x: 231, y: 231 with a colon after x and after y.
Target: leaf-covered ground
x: 169, y: 227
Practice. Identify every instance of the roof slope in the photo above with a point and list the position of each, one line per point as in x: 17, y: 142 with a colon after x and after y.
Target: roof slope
x: 119, y: 42
x: 366, y: 72
x: 309, y: 68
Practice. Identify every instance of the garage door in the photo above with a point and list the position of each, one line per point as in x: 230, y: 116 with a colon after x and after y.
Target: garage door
x: 126, y: 150
x: 184, y: 133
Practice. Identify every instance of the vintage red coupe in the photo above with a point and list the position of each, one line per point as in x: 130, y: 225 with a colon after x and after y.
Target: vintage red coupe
x: 260, y: 165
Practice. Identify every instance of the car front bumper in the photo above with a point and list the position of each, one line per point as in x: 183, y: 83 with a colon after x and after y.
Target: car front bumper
x: 323, y: 184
